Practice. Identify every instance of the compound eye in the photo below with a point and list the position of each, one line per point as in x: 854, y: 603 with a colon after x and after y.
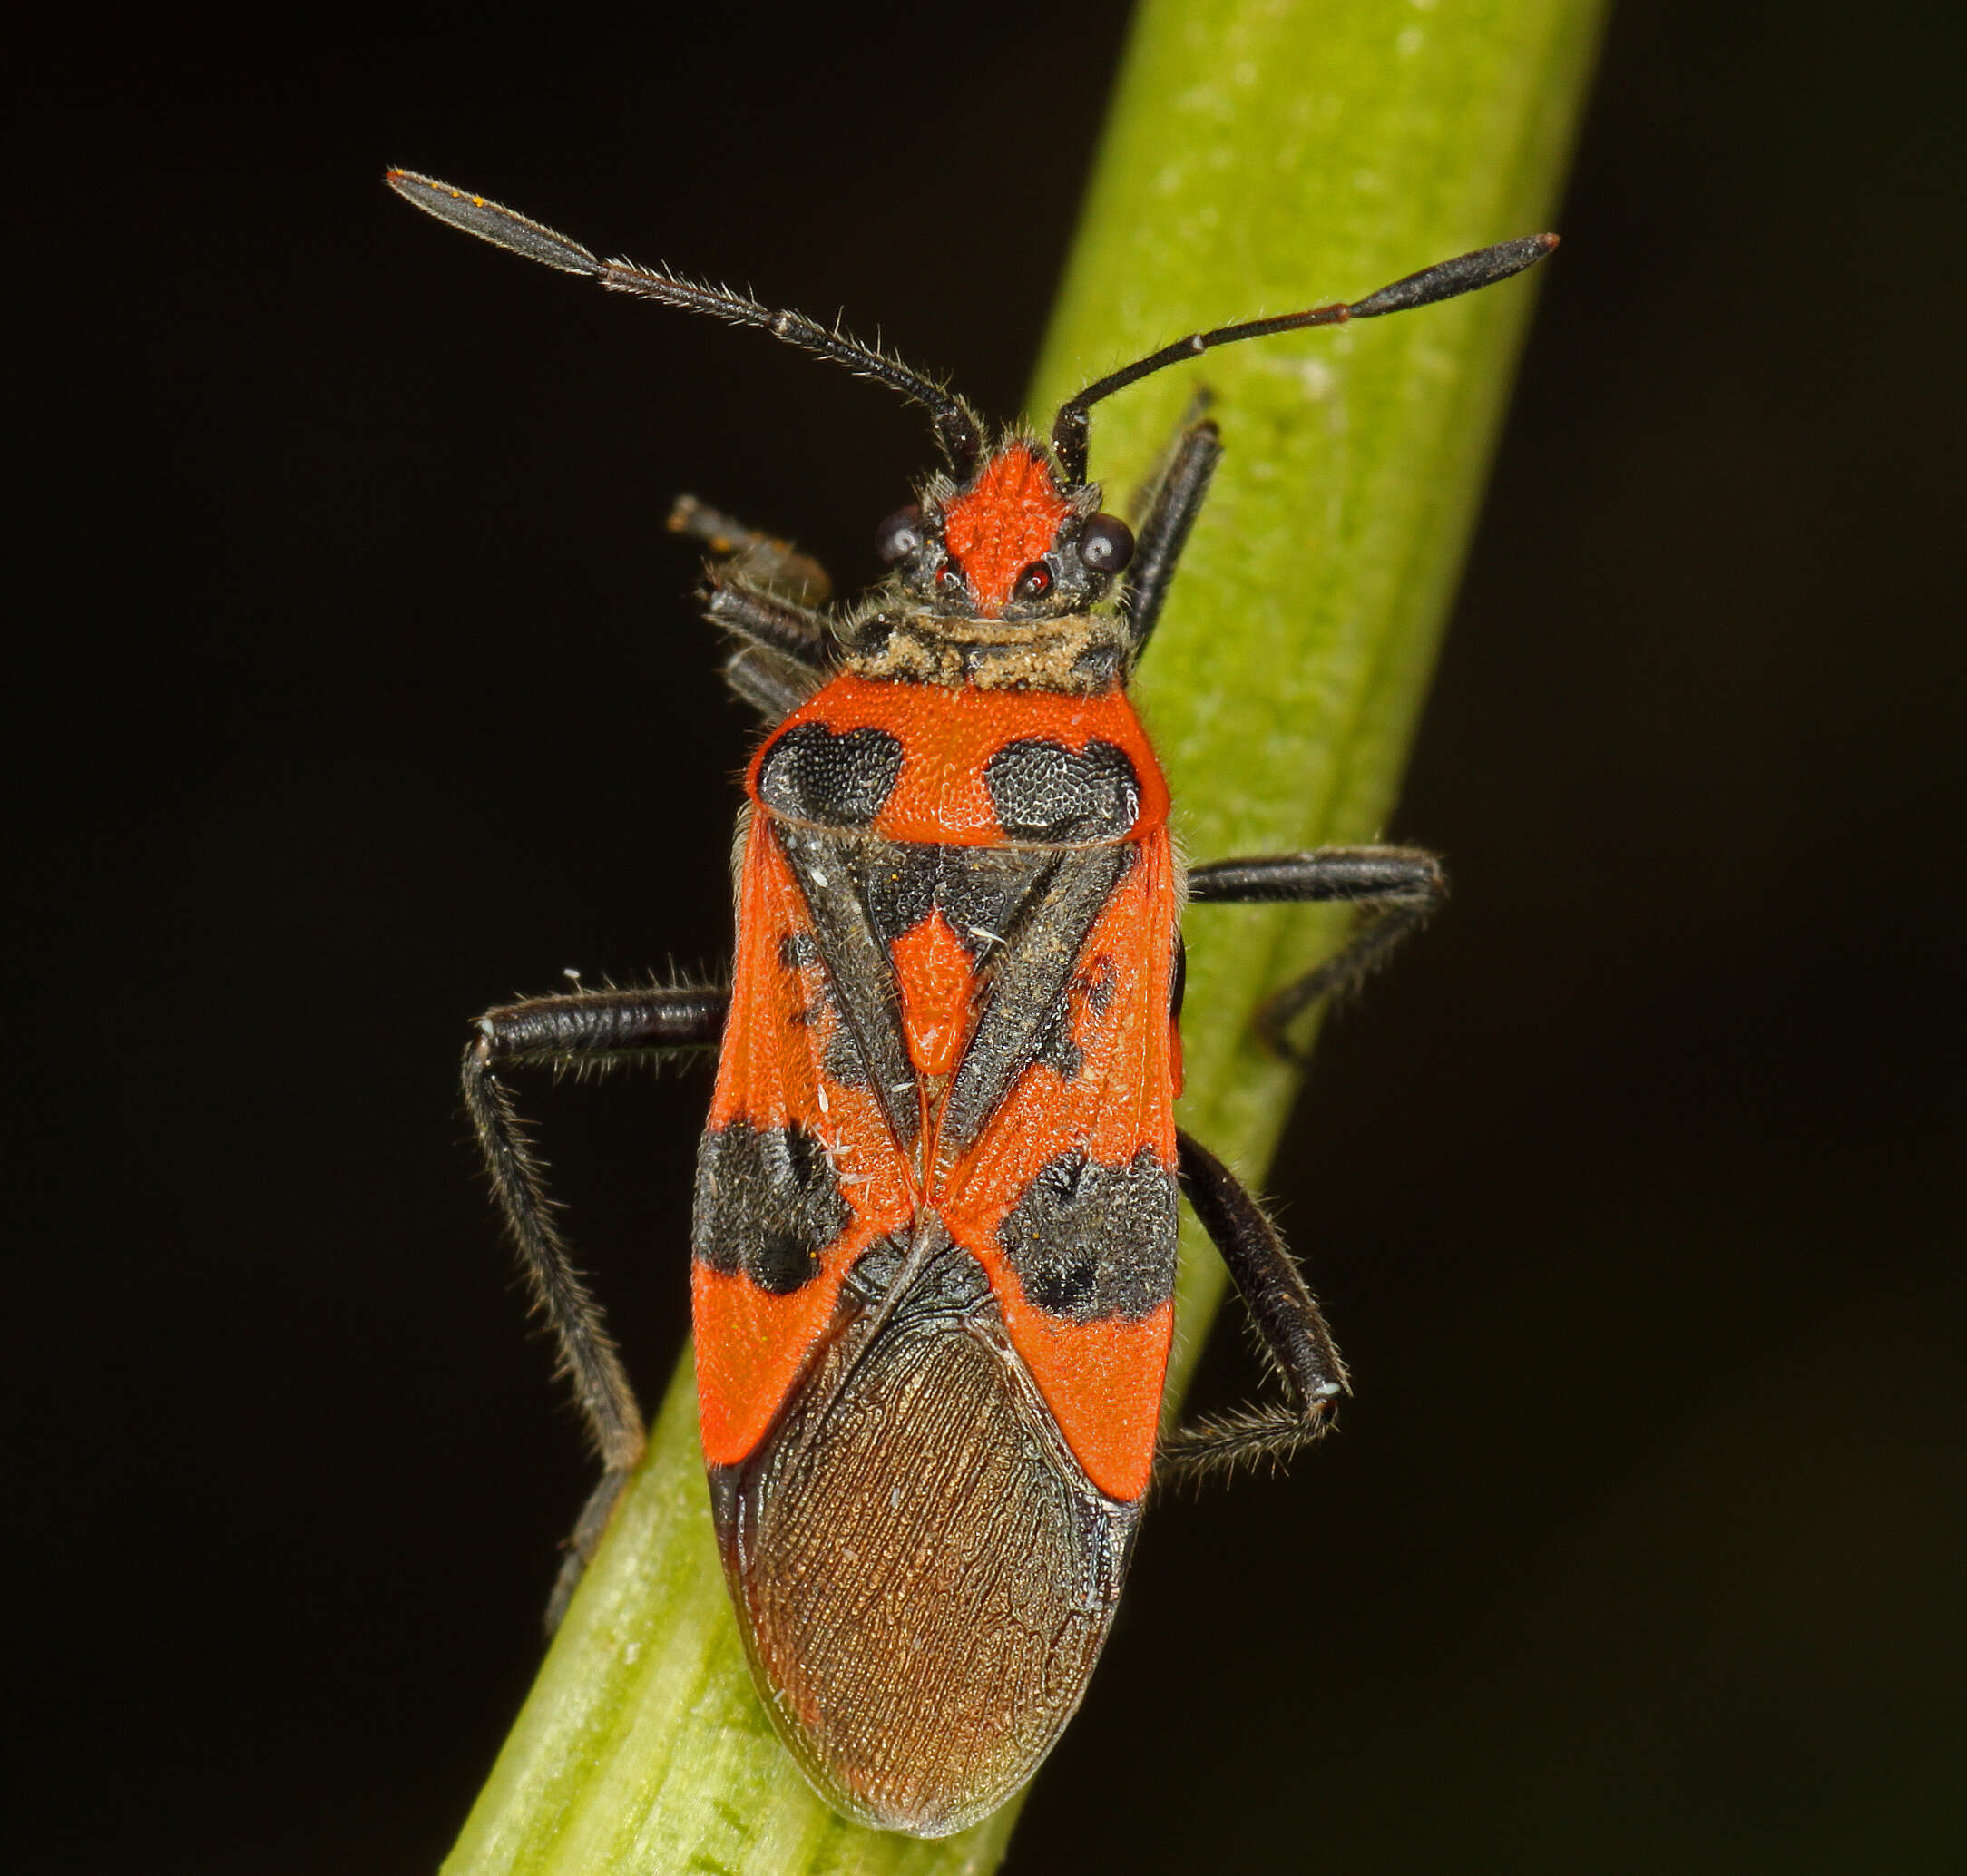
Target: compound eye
x: 1106, y: 545
x: 1033, y: 583
x: 899, y: 535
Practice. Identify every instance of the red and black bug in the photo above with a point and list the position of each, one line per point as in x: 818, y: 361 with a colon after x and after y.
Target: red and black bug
x: 935, y: 1207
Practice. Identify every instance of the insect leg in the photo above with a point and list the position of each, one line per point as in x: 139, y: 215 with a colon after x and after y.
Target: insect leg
x: 774, y: 565
x: 1402, y: 885
x: 759, y: 616
x: 1285, y: 1313
x: 589, y: 1030
x: 784, y: 653
x: 763, y: 591
x: 1177, y: 500
x: 774, y: 686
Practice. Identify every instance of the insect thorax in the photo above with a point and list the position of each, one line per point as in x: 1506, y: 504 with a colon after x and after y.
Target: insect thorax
x: 1078, y: 653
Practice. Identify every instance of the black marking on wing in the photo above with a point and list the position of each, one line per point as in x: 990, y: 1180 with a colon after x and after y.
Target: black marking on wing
x: 1023, y: 915
x: 1029, y: 989
x: 841, y: 1064
x: 1090, y: 1241
x: 983, y: 891
x: 867, y: 1042
x: 950, y: 1283
x: 767, y: 1203
x: 797, y: 950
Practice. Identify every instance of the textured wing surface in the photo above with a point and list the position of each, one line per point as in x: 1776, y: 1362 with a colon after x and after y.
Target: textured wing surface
x: 1011, y: 1007
x: 801, y: 1169
x: 935, y: 1242
x: 926, y: 1578
x: 1058, y: 1174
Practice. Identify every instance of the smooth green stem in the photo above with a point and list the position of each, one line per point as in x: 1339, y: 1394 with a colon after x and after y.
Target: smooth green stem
x: 1261, y: 155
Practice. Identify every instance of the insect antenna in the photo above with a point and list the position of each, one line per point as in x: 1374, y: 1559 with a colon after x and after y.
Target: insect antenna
x: 1445, y: 281
x: 957, y: 429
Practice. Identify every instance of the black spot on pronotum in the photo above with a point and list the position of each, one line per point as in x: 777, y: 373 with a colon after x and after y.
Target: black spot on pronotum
x: 767, y: 1204
x: 1043, y: 791
x: 836, y: 780
x: 1088, y: 1241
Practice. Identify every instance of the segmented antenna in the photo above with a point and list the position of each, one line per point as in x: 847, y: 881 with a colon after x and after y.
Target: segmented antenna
x: 957, y: 429
x: 1445, y: 281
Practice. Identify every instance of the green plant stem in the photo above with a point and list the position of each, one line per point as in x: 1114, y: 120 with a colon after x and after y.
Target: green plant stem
x: 1261, y: 155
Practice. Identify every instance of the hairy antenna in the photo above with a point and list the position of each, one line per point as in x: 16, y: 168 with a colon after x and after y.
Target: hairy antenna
x: 1445, y: 281
x: 957, y: 429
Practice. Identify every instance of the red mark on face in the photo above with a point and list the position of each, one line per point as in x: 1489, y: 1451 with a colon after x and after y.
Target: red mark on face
x: 1007, y: 520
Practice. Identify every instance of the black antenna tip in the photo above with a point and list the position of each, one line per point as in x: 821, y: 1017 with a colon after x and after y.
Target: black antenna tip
x: 1466, y: 273
x: 504, y: 228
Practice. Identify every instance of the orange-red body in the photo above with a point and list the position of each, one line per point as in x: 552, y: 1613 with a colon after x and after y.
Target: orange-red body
x: 933, y: 1252
x: 938, y: 1182
x: 1103, y: 1380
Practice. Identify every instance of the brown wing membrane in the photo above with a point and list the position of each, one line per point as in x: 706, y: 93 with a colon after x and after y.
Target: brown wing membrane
x: 925, y: 1575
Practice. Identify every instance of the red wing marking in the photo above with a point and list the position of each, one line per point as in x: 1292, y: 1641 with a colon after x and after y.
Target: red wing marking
x: 1056, y: 1059
x: 1103, y: 1382
x: 786, y: 1062
x: 1102, y: 1378
x: 752, y: 1346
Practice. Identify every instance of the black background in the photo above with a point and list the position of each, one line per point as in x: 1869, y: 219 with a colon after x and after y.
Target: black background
x: 360, y: 688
